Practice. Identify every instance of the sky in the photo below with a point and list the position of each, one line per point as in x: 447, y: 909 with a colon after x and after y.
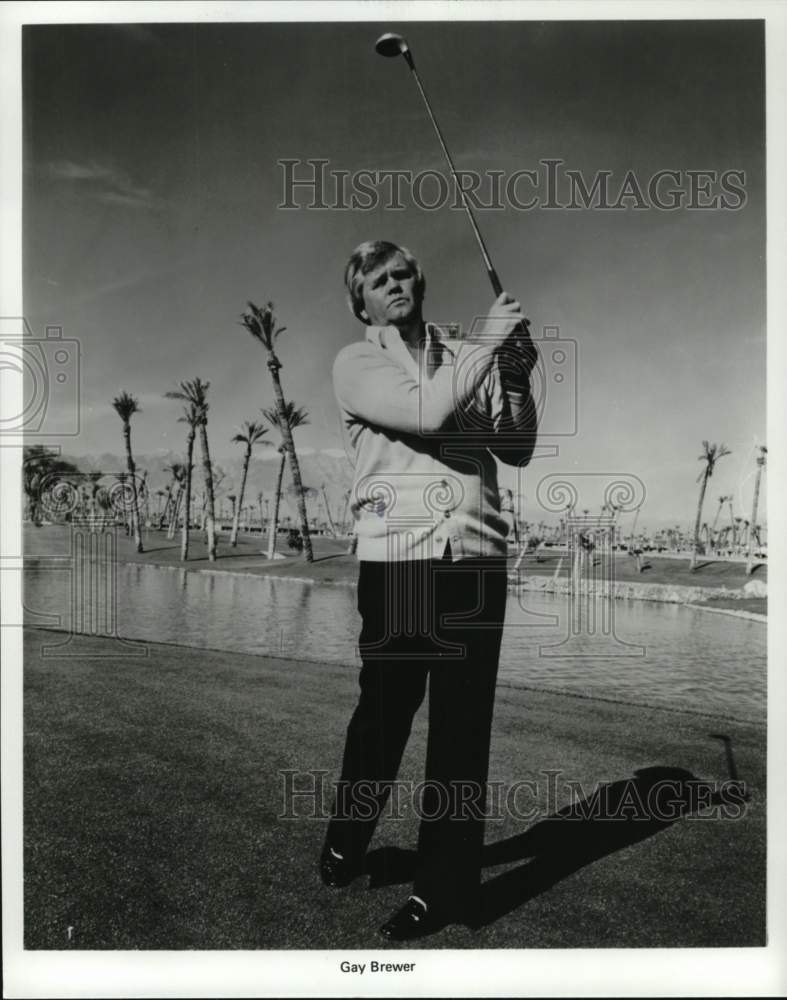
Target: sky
x: 152, y: 186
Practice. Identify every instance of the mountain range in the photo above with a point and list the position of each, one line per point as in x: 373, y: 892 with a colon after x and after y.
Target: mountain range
x: 331, y: 469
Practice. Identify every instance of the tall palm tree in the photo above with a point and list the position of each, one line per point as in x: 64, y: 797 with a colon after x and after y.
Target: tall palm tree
x: 285, y: 421
x: 273, y: 523
x: 178, y: 473
x: 145, y: 494
x: 261, y: 324
x: 252, y: 433
x: 711, y: 453
x: 128, y: 520
x: 126, y: 406
x: 194, y: 393
x: 218, y: 475
x: 191, y: 417
x: 755, y: 504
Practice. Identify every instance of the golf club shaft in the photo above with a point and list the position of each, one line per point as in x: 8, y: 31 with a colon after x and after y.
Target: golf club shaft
x: 498, y: 288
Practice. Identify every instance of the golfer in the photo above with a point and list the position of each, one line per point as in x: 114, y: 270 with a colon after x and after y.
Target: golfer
x: 425, y: 415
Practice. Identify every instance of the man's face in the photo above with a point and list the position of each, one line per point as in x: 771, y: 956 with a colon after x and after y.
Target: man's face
x: 391, y: 295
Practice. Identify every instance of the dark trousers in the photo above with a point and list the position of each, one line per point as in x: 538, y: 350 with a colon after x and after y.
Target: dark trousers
x: 437, y: 621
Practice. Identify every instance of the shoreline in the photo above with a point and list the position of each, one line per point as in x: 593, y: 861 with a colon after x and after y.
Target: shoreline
x: 340, y: 569
x: 751, y: 616
x: 503, y: 683
x: 663, y: 593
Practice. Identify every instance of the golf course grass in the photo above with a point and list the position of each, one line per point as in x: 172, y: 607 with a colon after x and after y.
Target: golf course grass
x: 153, y: 788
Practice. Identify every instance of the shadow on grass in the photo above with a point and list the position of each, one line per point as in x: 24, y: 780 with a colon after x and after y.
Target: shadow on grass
x: 613, y: 817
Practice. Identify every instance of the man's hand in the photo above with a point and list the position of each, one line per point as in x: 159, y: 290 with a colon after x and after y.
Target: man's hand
x: 504, y: 318
x: 509, y: 331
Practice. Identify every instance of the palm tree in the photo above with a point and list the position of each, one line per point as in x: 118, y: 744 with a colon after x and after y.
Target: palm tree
x: 732, y: 521
x: 711, y: 453
x: 261, y: 324
x: 126, y: 406
x: 39, y: 464
x: 755, y: 504
x: 218, y: 475
x: 145, y: 493
x: 252, y: 434
x: 745, y: 534
x: 714, y: 535
x: 506, y: 500
x: 347, y: 494
x: 178, y: 471
x: 285, y: 421
x: 195, y: 394
x: 164, y: 508
x: 331, y: 525
x: 128, y: 520
x: 94, y: 479
x: 191, y: 417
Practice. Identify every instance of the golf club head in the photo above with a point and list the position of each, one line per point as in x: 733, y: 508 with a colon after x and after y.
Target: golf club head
x: 390, y: 45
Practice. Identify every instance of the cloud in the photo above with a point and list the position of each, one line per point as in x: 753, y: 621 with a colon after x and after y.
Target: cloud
x: 127, y: 281
x: 334, y: 452
x: 69, y: 171
x: 140, y: 200
x: 102, y: 182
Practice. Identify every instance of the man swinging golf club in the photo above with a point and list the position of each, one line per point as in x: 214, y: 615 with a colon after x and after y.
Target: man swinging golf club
x: 425, y: 416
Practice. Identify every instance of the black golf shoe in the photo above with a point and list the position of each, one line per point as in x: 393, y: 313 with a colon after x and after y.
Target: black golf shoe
x: 337, y: 871
x: 414, y: 920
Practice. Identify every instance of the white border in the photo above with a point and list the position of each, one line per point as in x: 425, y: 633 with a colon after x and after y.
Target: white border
x: 602, y: 972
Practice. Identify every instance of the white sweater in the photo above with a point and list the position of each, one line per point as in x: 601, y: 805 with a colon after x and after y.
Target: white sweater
x: 422, y: 441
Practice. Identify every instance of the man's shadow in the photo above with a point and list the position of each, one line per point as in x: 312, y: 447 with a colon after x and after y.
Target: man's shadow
x: 614, y: 816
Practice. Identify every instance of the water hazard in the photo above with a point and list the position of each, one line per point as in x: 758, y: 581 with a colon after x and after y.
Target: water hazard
x: 653, y: 654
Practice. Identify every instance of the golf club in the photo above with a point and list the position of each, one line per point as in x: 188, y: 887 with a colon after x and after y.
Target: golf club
x: 391, y: 45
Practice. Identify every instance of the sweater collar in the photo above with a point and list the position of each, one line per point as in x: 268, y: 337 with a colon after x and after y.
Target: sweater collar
x: 388, y: 336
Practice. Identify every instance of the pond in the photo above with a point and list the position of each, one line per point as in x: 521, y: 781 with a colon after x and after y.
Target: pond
x: 653, y: 654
